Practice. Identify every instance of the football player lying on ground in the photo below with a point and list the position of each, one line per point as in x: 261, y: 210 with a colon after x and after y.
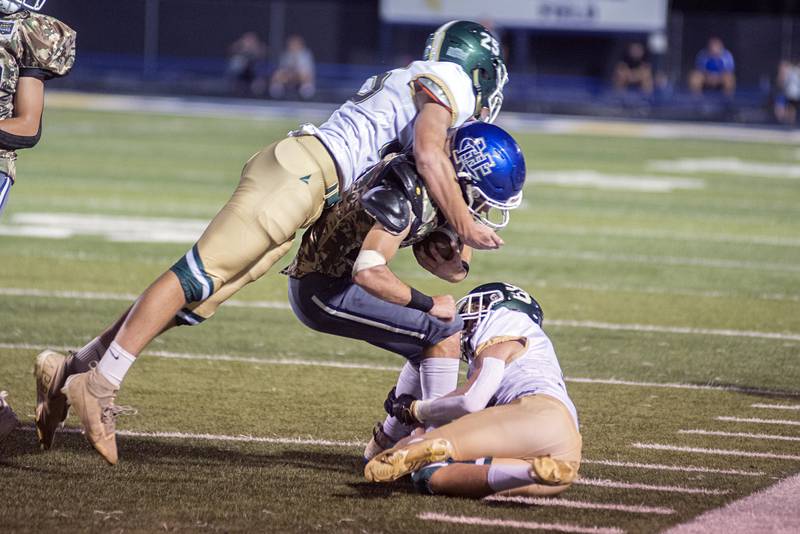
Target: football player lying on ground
x: 510, y: 429
x: 283, y: 188
x: 340, y: 282
x: 34, y: 48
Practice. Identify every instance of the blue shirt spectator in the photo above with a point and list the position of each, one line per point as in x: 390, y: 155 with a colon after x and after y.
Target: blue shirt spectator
x: 713, y: 69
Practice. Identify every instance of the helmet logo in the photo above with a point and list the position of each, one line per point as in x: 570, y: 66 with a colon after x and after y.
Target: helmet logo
x: 470, y: 154
x: 456, y: 53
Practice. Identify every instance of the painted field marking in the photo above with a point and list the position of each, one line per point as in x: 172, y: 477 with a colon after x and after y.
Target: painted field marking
x: 727, y: 166
x: 720, y: 433
x: 756, y: 420
x: 566, y: 323
x: 681, y: 468
x: 372, y: 367
x: 720, y: 452
x: 218, y: 437
x: 776, y: 406
x: 610, y: 231
x: 717, y: 263
x: 614, y: 182
x: 772, y: 509
x: 616, y: 484
x: 508, y: 523
x: 584, y: 505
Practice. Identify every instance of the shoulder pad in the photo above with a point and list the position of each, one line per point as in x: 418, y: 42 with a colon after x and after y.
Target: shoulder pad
x: 387, y: 206
x: 47, y: 44
x: 401, y: 173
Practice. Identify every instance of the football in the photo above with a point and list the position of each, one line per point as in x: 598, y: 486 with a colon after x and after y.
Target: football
x: 442, y: 241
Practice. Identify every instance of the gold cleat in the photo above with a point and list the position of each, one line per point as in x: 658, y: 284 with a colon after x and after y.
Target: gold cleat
x: 395, y: 463
x: 92, y: 398
x: 553, y: 472
x: 51, y: 404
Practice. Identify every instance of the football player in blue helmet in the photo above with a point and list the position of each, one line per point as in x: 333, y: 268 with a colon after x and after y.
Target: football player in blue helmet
x: 491, y: 170
x: 511, y: 429
x: 341, y: 282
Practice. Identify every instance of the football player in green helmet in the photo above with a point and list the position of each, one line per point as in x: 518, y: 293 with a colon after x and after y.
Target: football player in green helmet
x: 474, y: 48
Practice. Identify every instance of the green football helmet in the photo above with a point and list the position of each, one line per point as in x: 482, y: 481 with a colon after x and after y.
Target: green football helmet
x: 474, y: 48
x: 476, y: 306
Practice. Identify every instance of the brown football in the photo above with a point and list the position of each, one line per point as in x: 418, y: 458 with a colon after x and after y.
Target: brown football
x: 442, y: 241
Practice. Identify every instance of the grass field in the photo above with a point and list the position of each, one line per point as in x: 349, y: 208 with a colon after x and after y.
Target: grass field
x: 676, y: 316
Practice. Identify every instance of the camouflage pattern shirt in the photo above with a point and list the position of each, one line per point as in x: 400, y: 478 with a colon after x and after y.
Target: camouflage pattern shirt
x: 390, y: 188
x: 35, y: 45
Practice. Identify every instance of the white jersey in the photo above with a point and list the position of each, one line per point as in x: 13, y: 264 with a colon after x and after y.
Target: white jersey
x: 383, y: 111
x: 535, y: 371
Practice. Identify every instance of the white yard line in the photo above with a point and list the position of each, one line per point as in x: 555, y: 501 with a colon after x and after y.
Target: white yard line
x: 681, y: 468
x: 372, y: 367
x: 616, y: 484
x: 758, y: 421
x: 684, y: 261
x: 788, y: 336
x: 776, y: 406
x: 566, y: 323
x: 774, y: 437
x: 719, y: 452
x: 584, y: 505
x: 649, y: 233
x: 508, y: 523
x: 220, y: 437
x: 773, y: 509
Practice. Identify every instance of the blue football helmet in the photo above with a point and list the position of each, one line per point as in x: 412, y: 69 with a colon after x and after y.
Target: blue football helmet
x: 491, y: 170
x: 8, y: 7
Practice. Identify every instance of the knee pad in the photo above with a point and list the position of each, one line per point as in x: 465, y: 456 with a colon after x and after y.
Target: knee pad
x: 195, y: 282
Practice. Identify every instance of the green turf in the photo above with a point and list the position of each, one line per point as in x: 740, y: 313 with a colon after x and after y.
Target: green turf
x: 723, y: 257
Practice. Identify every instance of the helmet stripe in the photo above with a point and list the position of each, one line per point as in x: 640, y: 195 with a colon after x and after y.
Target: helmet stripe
x: 438, y: 39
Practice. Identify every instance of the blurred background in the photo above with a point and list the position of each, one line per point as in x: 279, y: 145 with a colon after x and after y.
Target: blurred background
x: 678, y: 59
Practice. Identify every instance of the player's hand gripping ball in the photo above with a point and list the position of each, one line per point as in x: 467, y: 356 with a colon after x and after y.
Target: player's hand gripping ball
x: 443, y: 241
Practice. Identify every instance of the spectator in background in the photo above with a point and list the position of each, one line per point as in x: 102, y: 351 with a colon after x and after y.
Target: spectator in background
x: 788, y: 99
x: 295, y: 69
x: 633, y: 71
x: 713, y: 69
x: 245, y: 53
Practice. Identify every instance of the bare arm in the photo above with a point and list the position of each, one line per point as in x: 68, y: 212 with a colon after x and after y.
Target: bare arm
x: 436, y: 169
x: 28, y: 108
x: 381, y: 282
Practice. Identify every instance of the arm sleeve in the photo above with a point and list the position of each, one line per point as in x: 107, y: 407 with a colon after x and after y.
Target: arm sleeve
x: 48, y: 47
x: 445, y: 409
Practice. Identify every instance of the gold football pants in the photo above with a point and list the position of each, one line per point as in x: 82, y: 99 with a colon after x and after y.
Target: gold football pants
x: 283, y: 188
x: 536, y: 425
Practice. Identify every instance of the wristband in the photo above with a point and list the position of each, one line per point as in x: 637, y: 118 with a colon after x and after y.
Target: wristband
x: 420, y: 301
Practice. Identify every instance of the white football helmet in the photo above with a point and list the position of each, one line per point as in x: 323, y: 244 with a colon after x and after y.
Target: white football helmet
x: 8, y: 7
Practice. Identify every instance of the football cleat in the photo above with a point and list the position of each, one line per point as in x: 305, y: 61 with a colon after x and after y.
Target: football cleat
x: 8, y: 419
x: 395, y: 463
x: 92, y: 397
x: 51, y: 405
x: 380, y: 442
x: 552, y: 471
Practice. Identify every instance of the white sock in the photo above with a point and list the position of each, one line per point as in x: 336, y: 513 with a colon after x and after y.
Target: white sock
x: 509, y: 476
x: 91, y: 352
x: 115, y: 363
x: 439, y: 376
x: 407, y: 383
